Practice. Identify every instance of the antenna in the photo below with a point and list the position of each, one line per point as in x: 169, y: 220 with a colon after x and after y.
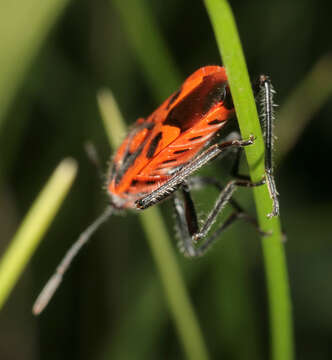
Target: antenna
x: 53, y: 283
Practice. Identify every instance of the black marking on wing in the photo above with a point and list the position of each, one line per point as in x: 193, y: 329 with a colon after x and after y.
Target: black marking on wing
x: 196, y: 104
x: 130, y: 159
x: 150, y: 182
x: 195, y: 138
x: 169, y: 161
x: 126, y: 156
x: 215, y: 122
x: 180, y: 151
x: 153, y: 145
x: 133, y: 182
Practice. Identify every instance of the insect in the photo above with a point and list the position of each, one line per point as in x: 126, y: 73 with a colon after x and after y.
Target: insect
x: 160, y: 154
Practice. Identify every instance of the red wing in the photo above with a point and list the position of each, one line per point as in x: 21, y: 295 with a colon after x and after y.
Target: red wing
x: 187, y: 87
x: 172, y: 135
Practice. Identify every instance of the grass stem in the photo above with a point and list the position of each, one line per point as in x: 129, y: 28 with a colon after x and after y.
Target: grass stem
x: 34, y: 226
x: 274, y: 257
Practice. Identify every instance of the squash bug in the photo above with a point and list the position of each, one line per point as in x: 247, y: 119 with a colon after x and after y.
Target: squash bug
x: 160, y: 153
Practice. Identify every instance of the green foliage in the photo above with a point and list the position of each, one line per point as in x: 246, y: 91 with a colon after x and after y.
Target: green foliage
x: 34, y: 226
x: 23, y: 28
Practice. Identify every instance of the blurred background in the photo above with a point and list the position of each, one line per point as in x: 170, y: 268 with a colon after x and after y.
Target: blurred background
x: 55, y: 56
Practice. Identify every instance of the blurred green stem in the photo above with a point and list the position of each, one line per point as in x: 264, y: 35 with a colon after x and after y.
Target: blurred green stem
x: 160, y: 244
x: 312, y: 92
x: 34, y: 226
x: 150, y: 48
x: 23, y: 27
x: 275, y: 264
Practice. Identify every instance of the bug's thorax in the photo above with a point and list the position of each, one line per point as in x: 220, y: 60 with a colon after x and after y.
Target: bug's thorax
x: 171, y: 136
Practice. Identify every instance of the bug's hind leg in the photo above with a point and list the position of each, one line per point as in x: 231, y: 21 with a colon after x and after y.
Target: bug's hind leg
x: 198, y: 182
x: 190, y: 232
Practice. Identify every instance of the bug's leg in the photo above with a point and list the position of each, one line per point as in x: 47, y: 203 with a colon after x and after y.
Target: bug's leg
x: 235, y: 171
x: 198, y: 182
x: 172, y: 185
x: 188, y: 224
x: 266, y: 92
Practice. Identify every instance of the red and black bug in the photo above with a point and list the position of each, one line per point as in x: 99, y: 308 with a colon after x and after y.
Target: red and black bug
x: 160, y: 154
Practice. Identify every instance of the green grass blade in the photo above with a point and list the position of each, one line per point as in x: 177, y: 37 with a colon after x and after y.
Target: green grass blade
x: 152, y: 53
x: 274, y: 258
x: 34, y: 226
x: 23, y: 27
x: 116, y: 130
x: 160, y: 244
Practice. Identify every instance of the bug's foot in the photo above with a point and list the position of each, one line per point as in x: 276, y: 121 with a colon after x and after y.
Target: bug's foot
x: 242, y: 143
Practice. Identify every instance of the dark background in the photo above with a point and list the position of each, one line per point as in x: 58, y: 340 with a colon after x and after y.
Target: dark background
x: 111, y: 304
